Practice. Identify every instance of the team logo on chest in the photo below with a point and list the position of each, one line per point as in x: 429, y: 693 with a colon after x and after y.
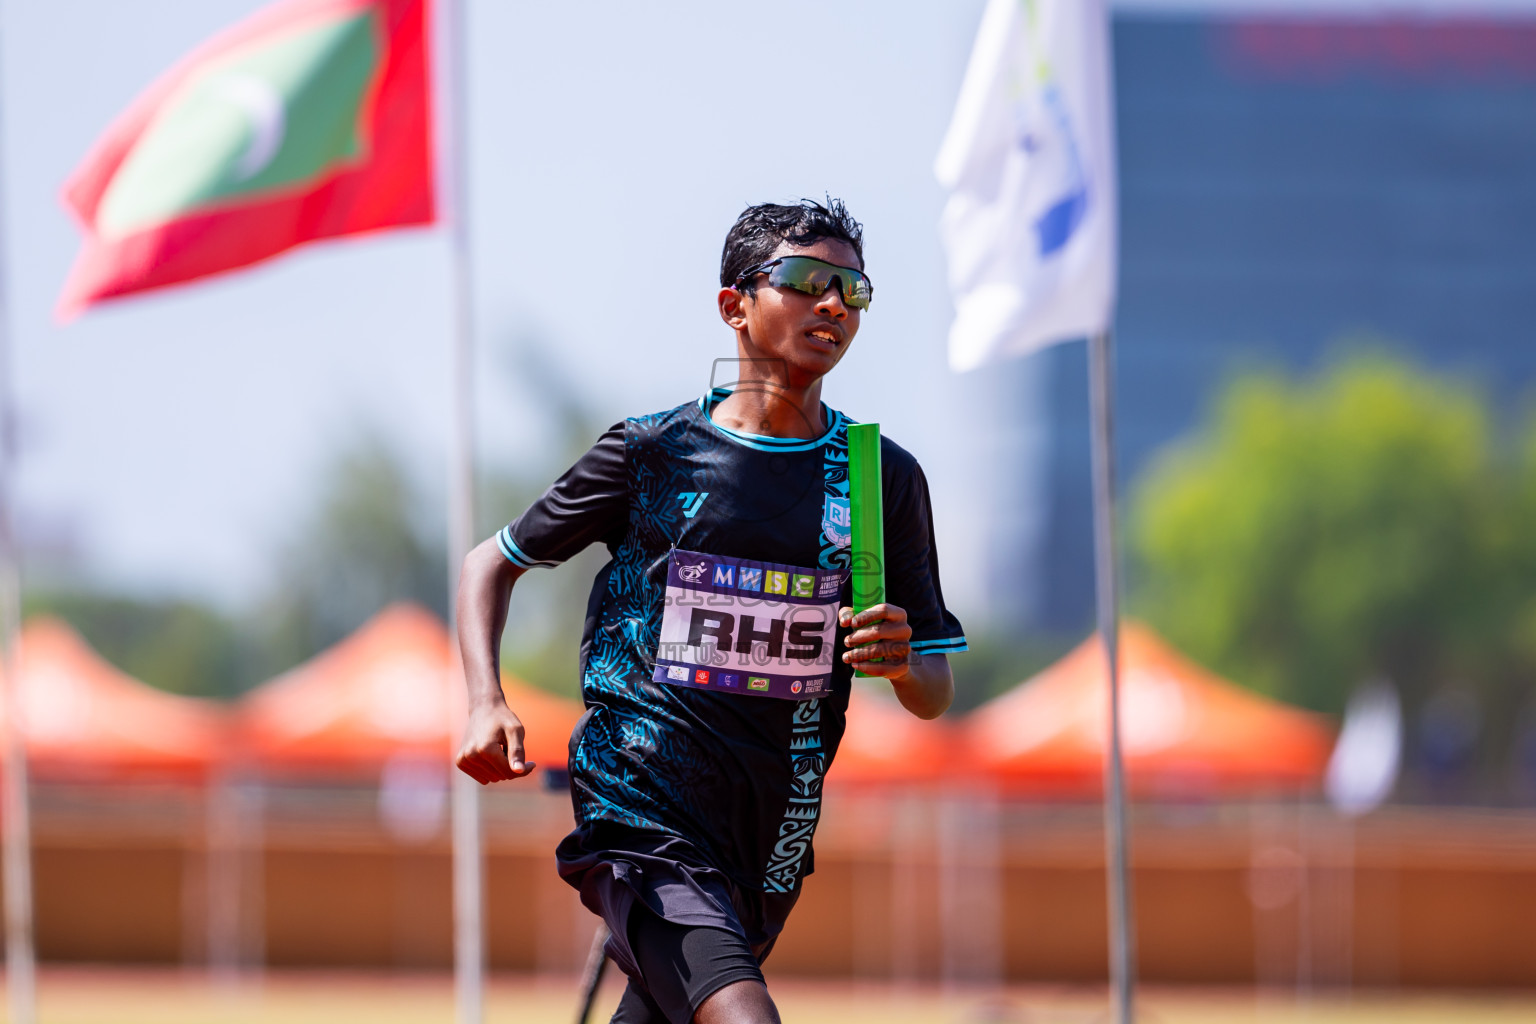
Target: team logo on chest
x: 692, y: 502
x: 837, y: 522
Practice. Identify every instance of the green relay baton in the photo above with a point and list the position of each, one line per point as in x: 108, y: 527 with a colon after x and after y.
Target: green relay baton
x: 868, y: 514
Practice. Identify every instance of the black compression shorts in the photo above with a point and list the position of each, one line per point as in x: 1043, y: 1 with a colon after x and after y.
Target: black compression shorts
x: 682, y: 965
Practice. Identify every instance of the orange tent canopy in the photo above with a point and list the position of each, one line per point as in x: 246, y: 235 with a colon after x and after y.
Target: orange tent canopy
x: 1184, y: 730
x: 884, y: 743
x: 389, y: 689
x: 83, y: 718
x: 548, y: 721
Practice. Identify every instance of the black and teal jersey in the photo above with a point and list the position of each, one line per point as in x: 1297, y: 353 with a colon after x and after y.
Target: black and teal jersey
x: 736, y: 775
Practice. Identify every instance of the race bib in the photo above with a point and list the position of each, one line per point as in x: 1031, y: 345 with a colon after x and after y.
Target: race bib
x: 753, y: 628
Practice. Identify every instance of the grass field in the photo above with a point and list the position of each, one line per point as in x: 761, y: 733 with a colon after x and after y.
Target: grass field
x: 158, y: 996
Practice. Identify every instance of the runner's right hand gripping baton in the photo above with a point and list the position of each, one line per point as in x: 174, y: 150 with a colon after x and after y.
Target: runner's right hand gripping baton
x: 868, y: 515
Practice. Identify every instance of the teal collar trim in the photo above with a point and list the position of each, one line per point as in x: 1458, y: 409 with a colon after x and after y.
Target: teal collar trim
x: 763, y: 442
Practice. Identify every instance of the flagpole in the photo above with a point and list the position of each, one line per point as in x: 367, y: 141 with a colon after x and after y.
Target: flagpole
x: 468, y: 859
x: 15, y: 814
x: 1122, y: 953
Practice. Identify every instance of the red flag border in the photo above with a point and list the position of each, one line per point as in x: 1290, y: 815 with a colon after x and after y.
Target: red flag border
x: 393, y: 188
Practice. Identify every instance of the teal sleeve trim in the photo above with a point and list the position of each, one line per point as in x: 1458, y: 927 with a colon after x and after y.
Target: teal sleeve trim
x: 515, y: 554
x: 948, y: 645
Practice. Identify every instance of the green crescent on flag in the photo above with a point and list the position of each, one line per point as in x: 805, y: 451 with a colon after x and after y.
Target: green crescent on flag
x: 309, y: 120
x: 277, y: 113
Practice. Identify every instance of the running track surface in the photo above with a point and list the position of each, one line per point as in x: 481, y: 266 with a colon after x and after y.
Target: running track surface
x: 74, y: 995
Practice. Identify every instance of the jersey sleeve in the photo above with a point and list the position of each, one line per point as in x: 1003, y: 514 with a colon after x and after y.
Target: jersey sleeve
x: 912, y: 563
x: 588, y: 504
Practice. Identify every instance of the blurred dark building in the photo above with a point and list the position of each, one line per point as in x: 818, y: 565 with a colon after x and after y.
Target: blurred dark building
x: 1286, y: 185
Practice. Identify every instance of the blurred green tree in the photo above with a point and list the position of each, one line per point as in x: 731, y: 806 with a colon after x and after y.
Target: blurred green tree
x: 542, y: 641
x: 997, y: 661
x: 175, y: 644
x: 369, y: 541
x: 374, y: 535
x: 1318, y: 533
x: 1519, y: 686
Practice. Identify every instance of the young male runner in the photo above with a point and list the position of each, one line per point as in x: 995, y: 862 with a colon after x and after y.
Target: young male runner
x: 717, y: 655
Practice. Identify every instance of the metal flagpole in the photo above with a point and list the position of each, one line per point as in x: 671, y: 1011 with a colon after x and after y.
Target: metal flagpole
x: 468, y: 861
x: 1122, y: 953
x: 20, y: 960
x: 15, y: 814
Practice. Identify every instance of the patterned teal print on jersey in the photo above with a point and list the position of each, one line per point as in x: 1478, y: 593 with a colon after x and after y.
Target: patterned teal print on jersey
x: 808, y: 766
x: 806, y: 757
x: 836, y: 522
x: 617, y: 745
x: 736, y: 779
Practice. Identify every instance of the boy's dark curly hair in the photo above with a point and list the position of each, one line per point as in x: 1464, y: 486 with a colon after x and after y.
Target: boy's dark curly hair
x: 760, y: 229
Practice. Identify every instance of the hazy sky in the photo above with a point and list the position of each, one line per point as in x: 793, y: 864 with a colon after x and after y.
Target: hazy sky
x: 174, y: 438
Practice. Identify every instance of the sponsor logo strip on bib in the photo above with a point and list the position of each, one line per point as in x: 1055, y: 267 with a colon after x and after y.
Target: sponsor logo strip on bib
x: 753, y: 628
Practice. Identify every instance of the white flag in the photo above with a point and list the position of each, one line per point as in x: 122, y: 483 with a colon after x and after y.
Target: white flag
x: 1363, y: 769
x: 1030, y: 225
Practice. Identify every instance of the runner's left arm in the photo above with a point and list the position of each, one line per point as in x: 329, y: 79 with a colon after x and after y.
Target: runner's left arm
x: 922, y: 683
x: 912, y: 633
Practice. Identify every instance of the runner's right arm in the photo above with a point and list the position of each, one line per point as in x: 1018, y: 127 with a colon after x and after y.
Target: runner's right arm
x: 493, y: 739
x: 588, y: 504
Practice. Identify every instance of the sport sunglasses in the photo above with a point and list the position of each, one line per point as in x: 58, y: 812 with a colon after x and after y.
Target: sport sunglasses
x: 813, y: 277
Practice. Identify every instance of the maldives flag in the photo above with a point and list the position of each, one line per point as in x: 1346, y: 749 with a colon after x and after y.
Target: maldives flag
x: 311, y: 119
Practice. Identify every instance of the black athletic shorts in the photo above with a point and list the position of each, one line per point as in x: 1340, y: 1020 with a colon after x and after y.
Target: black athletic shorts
x: 682, y: 965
